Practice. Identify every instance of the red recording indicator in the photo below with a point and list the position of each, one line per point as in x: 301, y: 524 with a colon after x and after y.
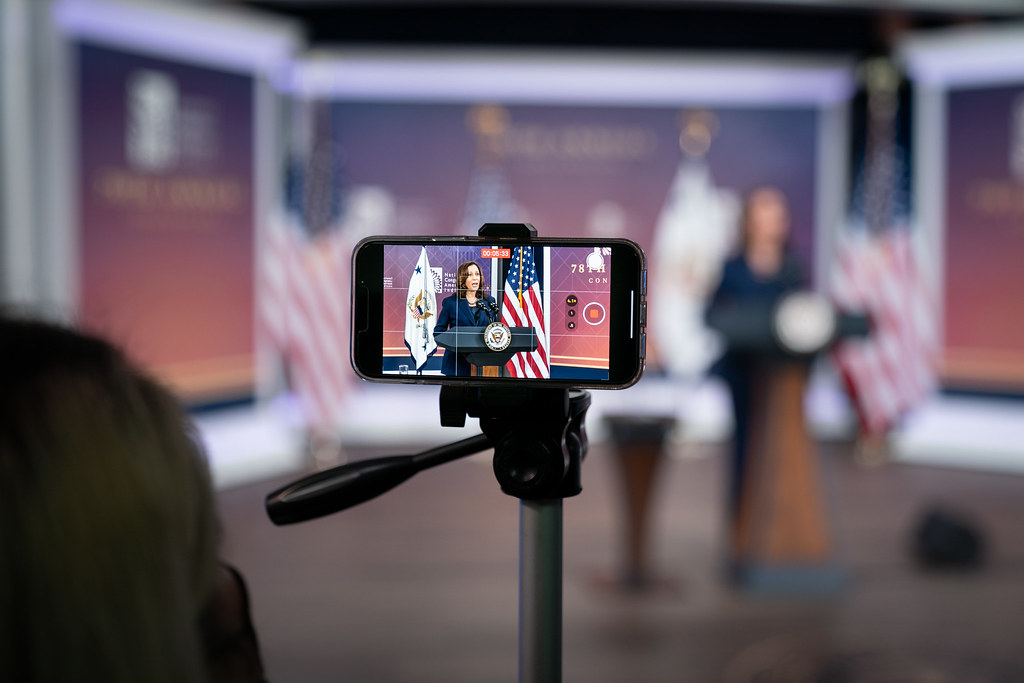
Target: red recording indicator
x: 495, y: 253
x: 593, y: 313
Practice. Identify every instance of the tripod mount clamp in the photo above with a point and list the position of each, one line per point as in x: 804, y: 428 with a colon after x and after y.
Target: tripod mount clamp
x: 538, y: 434
x: 519, y: 231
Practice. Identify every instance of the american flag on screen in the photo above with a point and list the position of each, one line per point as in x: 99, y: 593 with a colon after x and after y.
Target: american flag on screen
x: 524, y: 307
x: 877, y: 272
x: 304, y: 281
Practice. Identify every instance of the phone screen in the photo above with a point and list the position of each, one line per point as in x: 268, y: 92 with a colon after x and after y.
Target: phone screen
x: 558, y: 312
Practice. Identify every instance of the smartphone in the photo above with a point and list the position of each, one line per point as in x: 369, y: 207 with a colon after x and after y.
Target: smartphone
x: 489, y: 311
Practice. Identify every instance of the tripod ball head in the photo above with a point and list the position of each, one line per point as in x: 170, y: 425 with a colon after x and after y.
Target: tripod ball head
x: 541, y: 457
x: 528, y: 467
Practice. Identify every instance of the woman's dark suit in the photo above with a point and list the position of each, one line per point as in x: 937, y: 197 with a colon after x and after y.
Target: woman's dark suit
x: 740, y: 285
x: 456, y: 312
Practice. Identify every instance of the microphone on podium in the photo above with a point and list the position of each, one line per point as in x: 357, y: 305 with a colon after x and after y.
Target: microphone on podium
x: 491, y: 306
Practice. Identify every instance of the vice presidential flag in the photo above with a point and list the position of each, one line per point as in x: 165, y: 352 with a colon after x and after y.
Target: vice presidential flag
x: 420, y: 312
x: 524, y: 307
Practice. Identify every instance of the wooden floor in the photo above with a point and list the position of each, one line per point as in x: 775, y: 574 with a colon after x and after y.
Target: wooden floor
x: 421, y: 584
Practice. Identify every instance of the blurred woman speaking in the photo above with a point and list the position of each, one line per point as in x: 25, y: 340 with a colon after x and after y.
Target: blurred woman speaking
x: 760, y: 273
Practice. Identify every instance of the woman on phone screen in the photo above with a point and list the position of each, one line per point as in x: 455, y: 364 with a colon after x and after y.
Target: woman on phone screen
x: 468, y: 306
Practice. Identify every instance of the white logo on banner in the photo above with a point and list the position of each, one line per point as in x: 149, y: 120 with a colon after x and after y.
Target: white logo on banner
x: 152, y: 121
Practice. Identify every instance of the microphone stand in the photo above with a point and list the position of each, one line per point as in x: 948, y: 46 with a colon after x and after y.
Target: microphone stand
x: 490, y: 310
x: 539, y: 442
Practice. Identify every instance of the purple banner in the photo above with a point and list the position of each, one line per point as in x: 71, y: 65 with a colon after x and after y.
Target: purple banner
x: 984, y: 336
x: 672, y: 180
x: 165, y: 187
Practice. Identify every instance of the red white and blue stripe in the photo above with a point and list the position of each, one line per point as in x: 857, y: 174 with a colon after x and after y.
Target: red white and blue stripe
x: 523, y: 306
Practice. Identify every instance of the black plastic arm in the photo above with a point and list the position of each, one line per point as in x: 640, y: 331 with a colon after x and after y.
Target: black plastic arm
x: 345, y: 486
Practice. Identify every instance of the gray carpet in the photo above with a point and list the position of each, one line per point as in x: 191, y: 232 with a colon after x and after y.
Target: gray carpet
x: 421, y: 584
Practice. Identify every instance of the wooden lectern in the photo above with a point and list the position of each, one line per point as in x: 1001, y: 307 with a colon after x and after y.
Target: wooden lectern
x: 778, y: 536
x: 639, y: 448
x: 485, y: 362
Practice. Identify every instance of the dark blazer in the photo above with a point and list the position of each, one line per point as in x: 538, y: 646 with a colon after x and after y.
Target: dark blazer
x: 740, y: 285
x: 456, y: 312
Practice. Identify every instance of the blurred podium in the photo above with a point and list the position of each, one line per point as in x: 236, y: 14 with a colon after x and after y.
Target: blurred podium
x: 638, y: 445
x: 487, y: 348
x: 778, y: 534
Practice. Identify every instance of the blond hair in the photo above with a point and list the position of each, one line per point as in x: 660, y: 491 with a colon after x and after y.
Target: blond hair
x: 107, y: 522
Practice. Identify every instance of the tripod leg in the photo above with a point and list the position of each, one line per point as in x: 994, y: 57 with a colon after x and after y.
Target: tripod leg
x: 540, y: 591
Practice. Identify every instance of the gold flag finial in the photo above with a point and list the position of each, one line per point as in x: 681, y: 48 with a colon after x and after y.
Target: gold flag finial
x: 488, y: 123
x: 697, y: 128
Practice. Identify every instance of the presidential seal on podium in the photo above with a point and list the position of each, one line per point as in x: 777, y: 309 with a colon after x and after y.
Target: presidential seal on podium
x: 497, y: 336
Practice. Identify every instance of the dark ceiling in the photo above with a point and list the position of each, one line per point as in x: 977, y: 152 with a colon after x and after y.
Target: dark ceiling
x: 704, y: 26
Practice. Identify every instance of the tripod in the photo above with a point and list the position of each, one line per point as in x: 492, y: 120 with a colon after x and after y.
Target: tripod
x: 539, y: 442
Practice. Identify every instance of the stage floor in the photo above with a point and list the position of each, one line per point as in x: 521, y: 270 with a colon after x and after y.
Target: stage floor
x: 421, y: 584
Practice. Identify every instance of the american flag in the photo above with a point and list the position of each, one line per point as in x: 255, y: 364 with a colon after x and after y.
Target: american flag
x: 304, y: 309
x: 893, y: 369
x: 304, y: 260
x: 877, y: 272
x: 524, y: 307
x: 489, y: 199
